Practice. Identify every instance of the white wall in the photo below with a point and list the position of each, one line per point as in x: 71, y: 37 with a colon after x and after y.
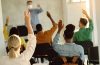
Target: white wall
x: 2, y: 44
x: 15, y: 9
x: 97, y: 7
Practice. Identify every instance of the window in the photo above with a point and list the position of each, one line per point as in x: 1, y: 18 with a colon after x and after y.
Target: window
x: 77, y: 0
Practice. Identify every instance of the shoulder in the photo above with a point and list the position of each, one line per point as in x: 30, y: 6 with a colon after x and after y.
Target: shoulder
x: 79, y: 46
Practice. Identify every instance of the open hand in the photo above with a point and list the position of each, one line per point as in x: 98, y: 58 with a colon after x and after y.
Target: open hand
x: 60, y: 26
x: 86, y: 14
x: 48, y: 14
x: 7, y: 19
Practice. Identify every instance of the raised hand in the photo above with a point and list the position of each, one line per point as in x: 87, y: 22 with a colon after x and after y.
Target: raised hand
x: 7, y: 20
x: 48, y: 14
x: 85, y: 13
x: 60, y: 26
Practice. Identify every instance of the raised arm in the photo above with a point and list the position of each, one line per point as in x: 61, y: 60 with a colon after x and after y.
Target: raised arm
x: 54, y: 27
x: 27, y: 22
x: 7, y: 20
x: 5, y: 32
x: 50, y: 17
x: 86, y: 14
x: 56, y: 38
x: 90, y: 21
x: 30, y: 48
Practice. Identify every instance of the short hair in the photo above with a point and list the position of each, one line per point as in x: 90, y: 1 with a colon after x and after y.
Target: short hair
x: 38, y: 27
x: 13, y: 30
x: 29, y: 1
x: 83, y: 21
x: 69, y: 32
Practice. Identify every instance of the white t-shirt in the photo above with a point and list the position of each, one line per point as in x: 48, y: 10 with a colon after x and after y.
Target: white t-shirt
x: 24, y: 58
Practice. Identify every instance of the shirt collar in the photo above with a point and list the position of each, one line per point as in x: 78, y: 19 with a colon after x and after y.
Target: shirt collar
x: 69, y: 43
x: 82, y: 28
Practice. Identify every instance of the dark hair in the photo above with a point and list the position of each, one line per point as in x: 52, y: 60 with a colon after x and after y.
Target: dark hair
x: 38, y: 27
x: 69, y: 32
x: 13, y: 30
x: 83, y: 21
x: 29, y: 1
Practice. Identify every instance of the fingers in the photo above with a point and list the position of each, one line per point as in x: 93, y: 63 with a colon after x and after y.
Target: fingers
x: 7, y: 19
x: 84, y: 11
x: 48, y: 14
x: 60, y: 23
x: 26, y: 13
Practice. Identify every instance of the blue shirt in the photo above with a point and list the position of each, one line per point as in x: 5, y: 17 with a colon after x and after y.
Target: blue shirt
x: 68, y: 49
x: 34, y: 16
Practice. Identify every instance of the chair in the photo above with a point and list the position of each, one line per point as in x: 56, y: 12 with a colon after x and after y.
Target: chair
x: 85, y: 45
x: 22, y: 30
x: 44, y: 51
x: 63, y: 60
x: 70, y: 62
x: 93, y: 55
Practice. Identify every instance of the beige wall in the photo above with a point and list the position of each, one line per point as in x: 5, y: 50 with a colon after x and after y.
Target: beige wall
x: 2, y: 44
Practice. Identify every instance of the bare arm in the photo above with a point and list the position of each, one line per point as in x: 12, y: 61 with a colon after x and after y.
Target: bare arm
x: 30, y: 48
x: 50, y: 17
x: 28, y: 23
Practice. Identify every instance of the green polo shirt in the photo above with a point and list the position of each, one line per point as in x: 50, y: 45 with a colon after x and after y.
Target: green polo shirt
x: 84, y: 34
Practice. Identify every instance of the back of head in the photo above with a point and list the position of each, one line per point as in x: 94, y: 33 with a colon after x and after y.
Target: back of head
x: 83, y: 21
x: 69, y: 32
x: 39, y: 27
x: 14, y: 43
x: 29, y: 1
x: 13, y: 30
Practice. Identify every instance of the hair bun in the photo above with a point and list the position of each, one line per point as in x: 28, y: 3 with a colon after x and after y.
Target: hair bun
x: 70, y: 28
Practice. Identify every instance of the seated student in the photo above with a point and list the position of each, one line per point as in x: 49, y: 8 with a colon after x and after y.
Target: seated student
x: 83, y: 37
x: 44, y: 39
x: 14, y: 44
x: 68, y: 49
x: 84, y: 34
x: 14, y: 30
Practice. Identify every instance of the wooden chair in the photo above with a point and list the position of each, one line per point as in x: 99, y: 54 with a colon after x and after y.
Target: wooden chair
x: 72, y: 62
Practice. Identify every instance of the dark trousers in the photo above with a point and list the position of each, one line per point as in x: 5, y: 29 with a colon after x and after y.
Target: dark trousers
x: 45, y: 49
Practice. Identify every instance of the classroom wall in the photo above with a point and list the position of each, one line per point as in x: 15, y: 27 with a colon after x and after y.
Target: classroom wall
x: 2, y: 44
x: 97, y: 4
x: 15, y: 9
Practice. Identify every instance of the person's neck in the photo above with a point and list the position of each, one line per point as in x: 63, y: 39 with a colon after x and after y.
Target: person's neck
x: 82, y: 27
x: 69, y: 41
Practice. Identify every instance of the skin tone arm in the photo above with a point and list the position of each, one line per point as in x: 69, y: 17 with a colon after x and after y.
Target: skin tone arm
x: 7, y: 20
x: 28, y: 22
x: 60, y: 26
x: 49, y: 15
x: 86, y: 14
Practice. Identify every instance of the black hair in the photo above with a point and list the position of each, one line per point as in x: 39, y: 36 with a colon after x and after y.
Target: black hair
x: 38, y: 27
x: 69, y: 32
x: 13, y: 30
x: 83, y: 21
x: 29, y: 1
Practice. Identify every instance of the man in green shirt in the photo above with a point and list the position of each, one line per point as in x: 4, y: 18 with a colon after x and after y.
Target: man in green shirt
x: 84, y: 34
